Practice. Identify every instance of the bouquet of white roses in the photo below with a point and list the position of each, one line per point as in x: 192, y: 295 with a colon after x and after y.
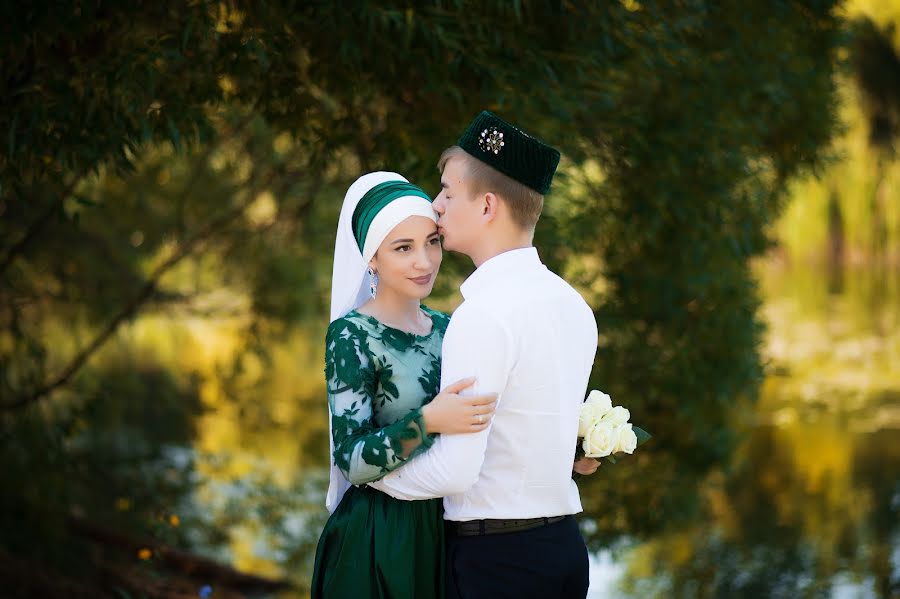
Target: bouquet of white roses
x: 604, y: 429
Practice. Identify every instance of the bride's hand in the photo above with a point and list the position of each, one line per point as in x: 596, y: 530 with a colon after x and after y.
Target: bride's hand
x: 450, y: 413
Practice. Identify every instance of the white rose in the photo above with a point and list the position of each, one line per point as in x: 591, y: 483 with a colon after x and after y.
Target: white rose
x: 592, y: 410
x: 601, y: 400
x: 616, y: 416
x: 599, y: 441
x: 590, y: 414
x: 626, y: 440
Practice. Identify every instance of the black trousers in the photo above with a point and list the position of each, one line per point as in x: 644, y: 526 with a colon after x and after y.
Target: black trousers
x: 542, y: 563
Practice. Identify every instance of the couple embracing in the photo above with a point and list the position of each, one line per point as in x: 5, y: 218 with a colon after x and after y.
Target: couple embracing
x: 453, y: 439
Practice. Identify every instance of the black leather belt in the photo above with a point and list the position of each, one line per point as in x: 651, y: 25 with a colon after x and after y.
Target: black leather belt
x: 496, y: 527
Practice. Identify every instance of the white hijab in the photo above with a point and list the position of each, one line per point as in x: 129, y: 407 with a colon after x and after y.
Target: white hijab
x: 349, y: 279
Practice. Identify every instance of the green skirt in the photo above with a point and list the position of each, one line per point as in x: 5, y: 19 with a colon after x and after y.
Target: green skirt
x: 375, y: 546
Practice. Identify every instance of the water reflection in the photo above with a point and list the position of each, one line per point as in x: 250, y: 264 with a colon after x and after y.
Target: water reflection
x: 808, y: 507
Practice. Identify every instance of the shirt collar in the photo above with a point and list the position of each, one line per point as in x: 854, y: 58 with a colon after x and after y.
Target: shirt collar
x: 499, y: 267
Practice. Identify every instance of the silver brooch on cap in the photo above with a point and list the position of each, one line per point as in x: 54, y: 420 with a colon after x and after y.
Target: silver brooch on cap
x: 491, y: 140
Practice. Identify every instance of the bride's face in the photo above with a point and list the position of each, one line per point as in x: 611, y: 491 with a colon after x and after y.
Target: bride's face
x: 408, y: 259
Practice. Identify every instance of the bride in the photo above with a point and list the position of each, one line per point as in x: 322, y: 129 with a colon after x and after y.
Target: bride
x: 382, y: 366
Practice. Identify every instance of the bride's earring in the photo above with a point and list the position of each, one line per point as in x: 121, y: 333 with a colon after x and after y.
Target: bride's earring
x: 373, y: 282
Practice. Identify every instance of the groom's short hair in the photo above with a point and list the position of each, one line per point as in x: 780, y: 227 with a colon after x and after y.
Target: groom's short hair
x: 525, y: 204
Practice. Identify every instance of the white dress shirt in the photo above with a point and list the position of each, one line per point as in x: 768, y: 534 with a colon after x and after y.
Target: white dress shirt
x: 528, y: 336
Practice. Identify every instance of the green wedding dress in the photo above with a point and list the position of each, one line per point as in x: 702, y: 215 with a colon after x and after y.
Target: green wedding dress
x: 378, y: 379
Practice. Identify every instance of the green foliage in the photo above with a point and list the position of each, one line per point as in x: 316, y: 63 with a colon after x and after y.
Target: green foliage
x: 105, y: 454
x: 689, y: 189
x: 84, y: 84
x: 877, y: 71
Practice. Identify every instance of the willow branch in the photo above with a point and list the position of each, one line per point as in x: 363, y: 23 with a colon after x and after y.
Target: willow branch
x: 35, y: 228
x: 38, y: 225
x: 131, y: 308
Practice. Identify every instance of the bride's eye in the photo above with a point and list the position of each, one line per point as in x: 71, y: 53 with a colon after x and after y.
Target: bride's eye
x: 403, y: 248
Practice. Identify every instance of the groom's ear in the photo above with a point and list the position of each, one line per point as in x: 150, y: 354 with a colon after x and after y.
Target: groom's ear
x: 491, y: 206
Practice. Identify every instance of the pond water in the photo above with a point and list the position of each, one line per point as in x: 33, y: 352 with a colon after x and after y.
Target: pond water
x: 809, y: 505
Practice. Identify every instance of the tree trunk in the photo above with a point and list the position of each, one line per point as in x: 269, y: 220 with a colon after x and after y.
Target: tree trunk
x: 835, y: 244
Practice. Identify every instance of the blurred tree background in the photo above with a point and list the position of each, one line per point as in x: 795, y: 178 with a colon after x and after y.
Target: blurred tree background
x: 170, y: 180
x: 851, y: 214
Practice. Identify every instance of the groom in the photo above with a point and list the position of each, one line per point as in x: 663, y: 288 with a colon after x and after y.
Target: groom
x: 525, y: 334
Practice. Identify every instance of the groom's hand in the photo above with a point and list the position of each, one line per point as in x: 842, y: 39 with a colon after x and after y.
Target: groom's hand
x: 586, y: 466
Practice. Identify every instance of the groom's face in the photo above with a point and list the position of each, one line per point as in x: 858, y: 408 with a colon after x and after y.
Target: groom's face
x: 460, y: 214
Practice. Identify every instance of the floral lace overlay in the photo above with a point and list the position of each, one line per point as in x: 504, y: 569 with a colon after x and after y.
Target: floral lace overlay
x: 378, y: 379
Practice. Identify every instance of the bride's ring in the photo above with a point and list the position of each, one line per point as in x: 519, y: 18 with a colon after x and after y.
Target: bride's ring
x: 479, y: 419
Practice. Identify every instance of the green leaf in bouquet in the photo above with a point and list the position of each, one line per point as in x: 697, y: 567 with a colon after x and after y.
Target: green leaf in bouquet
x: 641, y: 434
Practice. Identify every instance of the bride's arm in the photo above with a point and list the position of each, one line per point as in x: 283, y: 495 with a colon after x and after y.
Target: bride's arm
x: 365, y: 452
